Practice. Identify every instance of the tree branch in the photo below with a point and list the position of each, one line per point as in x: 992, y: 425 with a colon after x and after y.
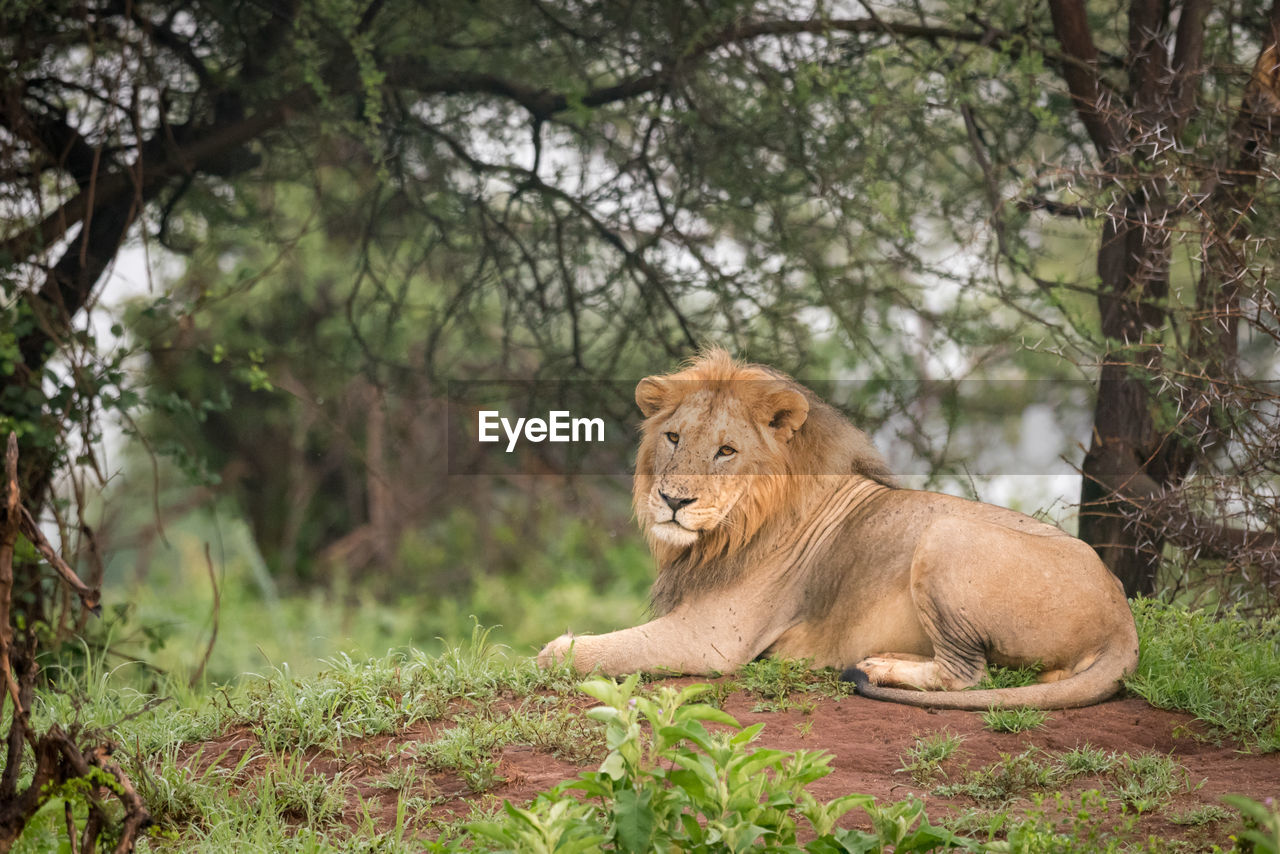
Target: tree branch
x: 191, y: 149
x: 1091, y: 96
x: 544, y: 103
x: 32, y: 532
x: 1188, y: 54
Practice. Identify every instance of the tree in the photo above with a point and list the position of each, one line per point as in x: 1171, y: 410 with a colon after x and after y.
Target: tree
x: 1177, y: 161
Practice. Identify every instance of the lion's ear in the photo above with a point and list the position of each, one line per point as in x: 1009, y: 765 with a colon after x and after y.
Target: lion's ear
x: 784, y: 411
x: 652, y: 395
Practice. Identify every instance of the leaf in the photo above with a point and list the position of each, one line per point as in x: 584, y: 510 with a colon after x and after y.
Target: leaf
x: 690, y: 782
x: 590, y: 784
x: 634, y: 819
x: 692, y: 830
x: 704, y: 712
x: 848, y: 841
x: 747, y: 734
x: 692, y: 731
x: 614, y: 766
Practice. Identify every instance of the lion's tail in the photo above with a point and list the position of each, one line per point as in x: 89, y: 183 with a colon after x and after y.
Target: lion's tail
x: 1100, y: 680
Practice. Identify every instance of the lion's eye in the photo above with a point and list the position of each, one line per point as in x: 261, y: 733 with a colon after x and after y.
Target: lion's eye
x: 726, y: 451
x: 673, y: 438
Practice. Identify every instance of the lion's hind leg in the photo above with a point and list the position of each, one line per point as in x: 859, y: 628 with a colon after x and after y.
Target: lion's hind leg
x: 902, y: 670
x: 959, y: 645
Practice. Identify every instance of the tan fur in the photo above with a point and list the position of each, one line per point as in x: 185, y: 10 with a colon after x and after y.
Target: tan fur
x: 778, y: 531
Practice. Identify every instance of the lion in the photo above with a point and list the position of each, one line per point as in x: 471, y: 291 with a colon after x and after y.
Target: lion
x: 779, y: 531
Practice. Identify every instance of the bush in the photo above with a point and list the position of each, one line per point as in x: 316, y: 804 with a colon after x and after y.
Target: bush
x: 687, y: 788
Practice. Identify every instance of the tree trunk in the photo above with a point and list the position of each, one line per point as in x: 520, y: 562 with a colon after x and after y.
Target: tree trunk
x: 1129, y: 456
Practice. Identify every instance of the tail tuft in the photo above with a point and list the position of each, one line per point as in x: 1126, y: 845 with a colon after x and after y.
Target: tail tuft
x: 859, y: 679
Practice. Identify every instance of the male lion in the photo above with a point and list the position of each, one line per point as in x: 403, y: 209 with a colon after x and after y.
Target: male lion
x: 778, y: 531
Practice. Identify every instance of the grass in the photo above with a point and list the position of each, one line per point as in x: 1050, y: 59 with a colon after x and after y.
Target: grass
x: 923, y: 761
x: 294, y: 791
x: 783, y: 684
x: 352, y: 699
x: 299, y: 740
x: 296, y: 798
x: 996, y: 676
x: 1089, y: 823
x: 1147, y: 781
x: 1010, y: 777
x: 1222, y: 669
x: 326, y: 766
x: 1141, y: 783
x: 573, y: 574
x: 1013, y: 719
x: 1205, y: 814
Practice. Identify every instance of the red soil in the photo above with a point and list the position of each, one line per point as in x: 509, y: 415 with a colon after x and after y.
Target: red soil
x: 867, y: 739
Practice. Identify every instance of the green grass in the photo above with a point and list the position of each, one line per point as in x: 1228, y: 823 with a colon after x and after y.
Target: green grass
x: 923, y: 761
x: 1141, y: 783
x: 1013, y: 719
x: 1203, y: 815
x: 1087, y: 760
x: 292, y: 788
x: 1222, y: 669
x: 1090, y: 823
x: 478, y: 697
x: 352, y: 699
x: 575, y: 574
x: 1010, y: 777
x: 996, y: 676
x: 784, y: 684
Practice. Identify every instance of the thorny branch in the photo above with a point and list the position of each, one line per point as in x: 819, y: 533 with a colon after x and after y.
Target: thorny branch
x: 54, y: 756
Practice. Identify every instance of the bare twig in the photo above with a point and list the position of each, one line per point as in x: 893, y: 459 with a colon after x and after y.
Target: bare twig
x: 8, y: 539
x: 217, y: 608
x: 33, y: 533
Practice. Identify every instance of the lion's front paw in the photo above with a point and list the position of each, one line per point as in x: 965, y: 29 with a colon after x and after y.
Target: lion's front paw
x: 560, y: 649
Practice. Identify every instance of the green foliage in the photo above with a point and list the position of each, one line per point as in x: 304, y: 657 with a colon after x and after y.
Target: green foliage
x: 784, y: 684
x: 1205, y: 814
x: 1221, y: 668
x: 1091, y: 826
x: 673, y: 770
x: 190, y: 791
x: 1261, y: 833
x: 468, y: 748
x: 1140, y: 783
x: 690, y: 788
x: 923, y: 761
x: 292, y: 790
x: 534, y: 576
x: 1010, y: 777
x: 1087, y: 760
x: 1013, y: 720
x: 1147, y: 781
x: 358, y: 699
x: 996, y: 676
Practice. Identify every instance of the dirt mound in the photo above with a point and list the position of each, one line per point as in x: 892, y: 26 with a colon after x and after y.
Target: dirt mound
x: 868, y: 741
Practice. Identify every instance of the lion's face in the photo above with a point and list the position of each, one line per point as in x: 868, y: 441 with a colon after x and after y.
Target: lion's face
x: 708, y: 452
x: 704, y: 454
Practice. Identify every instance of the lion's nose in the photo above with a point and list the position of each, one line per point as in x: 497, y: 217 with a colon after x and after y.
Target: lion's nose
x: 676, y: 503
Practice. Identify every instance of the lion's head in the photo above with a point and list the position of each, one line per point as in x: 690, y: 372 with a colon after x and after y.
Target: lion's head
x: 724, y: 447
